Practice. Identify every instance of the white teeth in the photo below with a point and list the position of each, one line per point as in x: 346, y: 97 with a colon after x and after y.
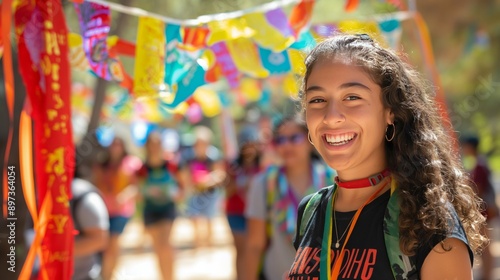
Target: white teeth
x: 337, y: 140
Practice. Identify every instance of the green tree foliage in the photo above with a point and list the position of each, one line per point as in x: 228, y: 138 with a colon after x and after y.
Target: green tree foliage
x: 466, y: 39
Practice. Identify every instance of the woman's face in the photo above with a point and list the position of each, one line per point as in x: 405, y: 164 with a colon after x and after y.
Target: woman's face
x: 200, y: 148
x: 346, y: 117
x: 154, y: 146
x: 250, y: 151
x: 291, y: 144
x: 116, y: 149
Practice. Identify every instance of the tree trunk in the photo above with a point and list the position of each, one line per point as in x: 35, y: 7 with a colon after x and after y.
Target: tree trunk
x: 89, y: 147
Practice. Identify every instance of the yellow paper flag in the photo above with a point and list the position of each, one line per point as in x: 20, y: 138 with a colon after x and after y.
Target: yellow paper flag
x: 297, y: 61
x: 291, y: 85
x: 250, y: 89
x: 149, y: 70
x: 209, y: 102
x: 246, y: 57
x: 266, y: 35
x: 77, y: 57
x: 354, y: 26
x: 151, y: 110
x: 230, y: 29
x: 181, y: 109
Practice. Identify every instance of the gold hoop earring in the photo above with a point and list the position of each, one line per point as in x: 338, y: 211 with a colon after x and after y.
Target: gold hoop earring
x: 393, y: 132
x: 309, y: 138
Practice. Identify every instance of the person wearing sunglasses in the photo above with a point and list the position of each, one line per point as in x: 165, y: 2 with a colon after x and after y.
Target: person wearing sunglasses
x: 273, y: 199
x: 402, y: 206
x: 240, y: 173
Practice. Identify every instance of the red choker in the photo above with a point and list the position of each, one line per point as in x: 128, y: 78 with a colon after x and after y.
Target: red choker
x: 365, y: 182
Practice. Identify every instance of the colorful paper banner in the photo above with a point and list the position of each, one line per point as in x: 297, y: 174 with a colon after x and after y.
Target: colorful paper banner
x: 301, y: 16
x: 245, y: 55
x: 275, y: 62
x: 271, y: 30
x: 149, y: 70
x: 391, y: 32
x: 187, y: 86
x: 94, y: 25
x: 178, y: 60
x: 226, y: 63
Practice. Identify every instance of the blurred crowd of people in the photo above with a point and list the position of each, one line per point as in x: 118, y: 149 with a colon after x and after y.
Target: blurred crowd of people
x: 260, y: 190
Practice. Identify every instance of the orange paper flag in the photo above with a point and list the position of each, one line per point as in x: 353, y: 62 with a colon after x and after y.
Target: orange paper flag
x: 351, y: 5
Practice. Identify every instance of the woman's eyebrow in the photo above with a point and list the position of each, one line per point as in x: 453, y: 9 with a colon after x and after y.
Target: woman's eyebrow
x: 354, y: 84
x: 314, y: 88
x: 342, y: 86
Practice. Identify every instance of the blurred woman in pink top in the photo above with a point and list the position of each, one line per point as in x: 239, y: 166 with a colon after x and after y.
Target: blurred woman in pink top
x: 114, y: 178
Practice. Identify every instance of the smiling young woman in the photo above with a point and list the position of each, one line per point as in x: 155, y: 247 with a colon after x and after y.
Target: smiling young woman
x: 401, y: 208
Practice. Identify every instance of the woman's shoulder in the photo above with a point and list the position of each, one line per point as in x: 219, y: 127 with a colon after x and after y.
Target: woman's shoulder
x: 455, y: 231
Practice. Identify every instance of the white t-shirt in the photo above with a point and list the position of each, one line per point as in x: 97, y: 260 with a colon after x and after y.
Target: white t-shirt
x: 280, y: 254
x: 91, y: 213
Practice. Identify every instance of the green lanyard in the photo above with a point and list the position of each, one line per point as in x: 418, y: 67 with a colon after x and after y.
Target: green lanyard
x: 326, y: 272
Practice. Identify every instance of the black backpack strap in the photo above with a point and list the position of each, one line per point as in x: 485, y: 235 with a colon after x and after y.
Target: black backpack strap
x: 307, y: 207
x: 300, y: 220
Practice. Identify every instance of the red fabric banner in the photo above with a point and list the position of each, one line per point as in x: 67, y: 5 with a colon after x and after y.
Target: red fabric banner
x: 44, y: 66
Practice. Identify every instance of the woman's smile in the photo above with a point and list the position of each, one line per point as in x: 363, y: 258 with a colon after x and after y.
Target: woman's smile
x: 339, y: 139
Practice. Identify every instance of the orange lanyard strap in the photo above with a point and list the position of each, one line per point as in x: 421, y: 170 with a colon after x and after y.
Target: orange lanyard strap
x: 326, y: 272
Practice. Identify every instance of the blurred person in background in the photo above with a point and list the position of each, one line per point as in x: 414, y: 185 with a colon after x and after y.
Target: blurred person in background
x: 161, y: 189
x: 207, y: 173
x: 268, y: 153
x: 91, y: 221
x: 273, y: 200
x: 240, y: 173
x: 114, y: 178
x: 480, y: 174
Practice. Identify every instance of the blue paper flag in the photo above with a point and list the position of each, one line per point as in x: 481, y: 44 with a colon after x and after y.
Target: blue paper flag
x: 178, y: 61
x: 304, y: 42
x: 193, y: 79
x: 275, y: 63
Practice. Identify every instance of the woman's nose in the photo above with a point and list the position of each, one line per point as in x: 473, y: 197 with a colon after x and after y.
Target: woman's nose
x: 334, y: 114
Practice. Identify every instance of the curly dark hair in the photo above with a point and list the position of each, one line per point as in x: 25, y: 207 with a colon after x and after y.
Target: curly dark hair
x: 421, y: 156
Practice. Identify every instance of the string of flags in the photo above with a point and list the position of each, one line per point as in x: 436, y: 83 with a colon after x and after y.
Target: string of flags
x: 173, y: 59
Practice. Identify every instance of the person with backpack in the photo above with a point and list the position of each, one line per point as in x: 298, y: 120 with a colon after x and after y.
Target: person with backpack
x: 402, y: 207
x: 160, y: 189
x: 273, y: 199
x: 240, y: 173
x: 91, y: 222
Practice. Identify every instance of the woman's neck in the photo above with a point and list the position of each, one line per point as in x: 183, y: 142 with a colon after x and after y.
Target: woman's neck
x: 361, y: 171
x: 154, y: 160
x: 351, y: 199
